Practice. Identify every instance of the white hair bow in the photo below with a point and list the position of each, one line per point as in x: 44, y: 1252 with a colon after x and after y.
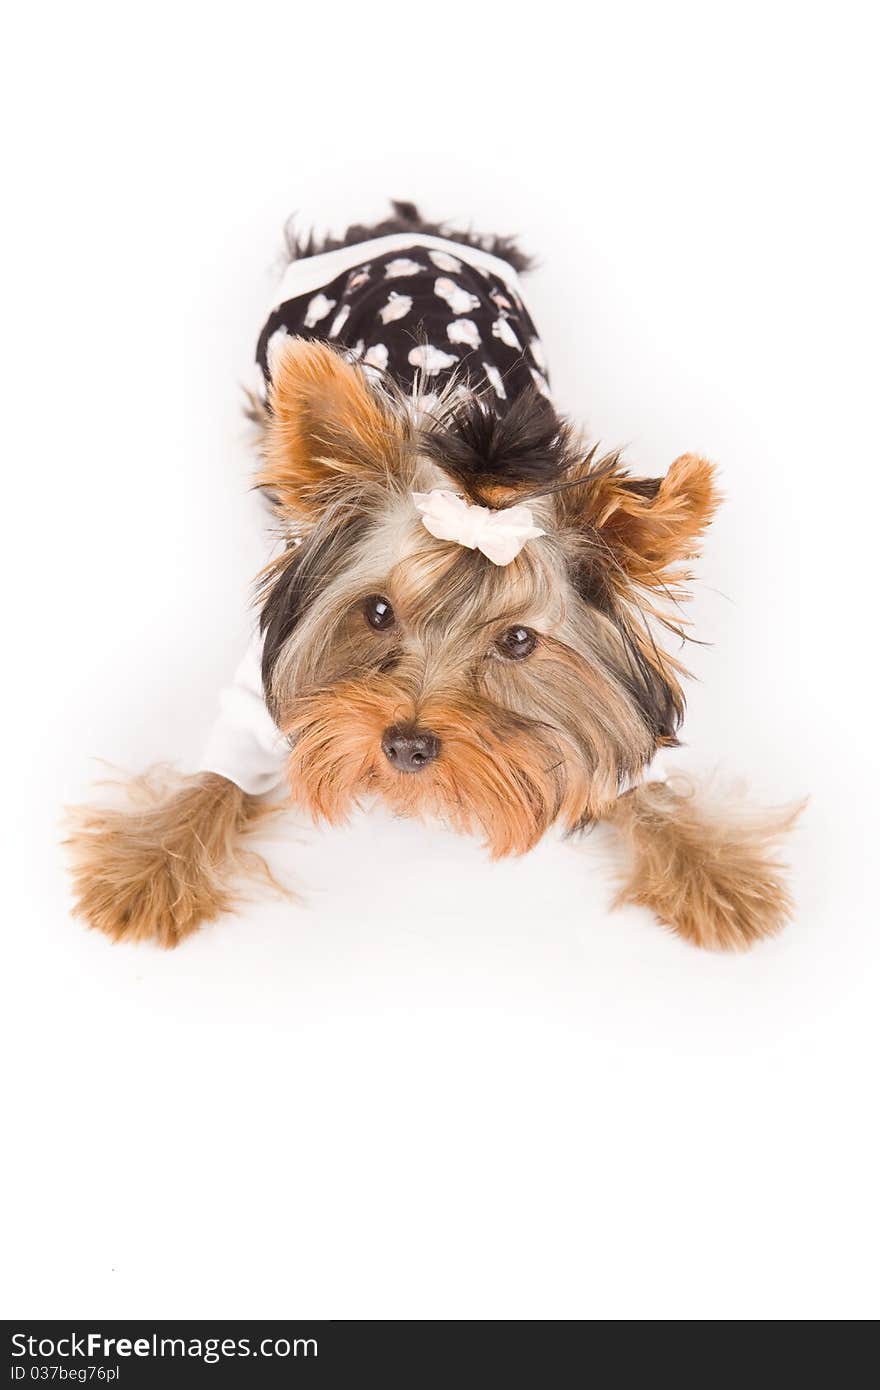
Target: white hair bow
x: 499, y: 535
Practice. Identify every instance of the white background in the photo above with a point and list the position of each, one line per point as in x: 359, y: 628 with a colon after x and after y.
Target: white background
x: 443, y: 1088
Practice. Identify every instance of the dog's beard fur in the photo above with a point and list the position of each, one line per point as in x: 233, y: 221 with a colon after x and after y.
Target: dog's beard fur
x: 505, y: 782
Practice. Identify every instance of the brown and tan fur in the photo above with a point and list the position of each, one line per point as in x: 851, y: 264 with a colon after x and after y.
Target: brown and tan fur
x: 169, y: 860
x: 526, y: 744
x: 710, y: 872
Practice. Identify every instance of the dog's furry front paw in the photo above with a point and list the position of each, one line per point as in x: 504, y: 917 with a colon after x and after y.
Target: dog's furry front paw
x: 709, y: 873
x: 158, y: 868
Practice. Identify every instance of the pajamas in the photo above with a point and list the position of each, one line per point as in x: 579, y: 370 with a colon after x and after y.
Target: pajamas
x: 414, y: 307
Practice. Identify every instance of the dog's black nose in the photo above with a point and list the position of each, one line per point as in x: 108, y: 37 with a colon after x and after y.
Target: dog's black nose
x: 409, y: 750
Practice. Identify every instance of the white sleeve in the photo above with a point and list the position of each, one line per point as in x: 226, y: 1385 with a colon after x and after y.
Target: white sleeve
x: 245, y: 745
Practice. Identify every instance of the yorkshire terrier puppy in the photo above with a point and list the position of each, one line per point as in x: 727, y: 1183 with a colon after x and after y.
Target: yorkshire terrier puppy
x: 462, y: 616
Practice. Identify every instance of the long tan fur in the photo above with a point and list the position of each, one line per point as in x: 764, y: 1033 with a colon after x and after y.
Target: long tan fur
x: 159, y: 867
x: 326, y: 430
x: 711, y: 873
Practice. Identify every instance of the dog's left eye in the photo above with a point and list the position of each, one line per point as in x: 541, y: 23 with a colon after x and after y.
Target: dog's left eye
x: 378, y: 612
x: 517, y: 642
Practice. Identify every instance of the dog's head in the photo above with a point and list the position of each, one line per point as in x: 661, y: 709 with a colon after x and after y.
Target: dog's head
x: 501, y: 698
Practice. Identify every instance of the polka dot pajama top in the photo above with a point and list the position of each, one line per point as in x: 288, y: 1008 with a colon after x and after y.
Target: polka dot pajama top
x: 407, y: 304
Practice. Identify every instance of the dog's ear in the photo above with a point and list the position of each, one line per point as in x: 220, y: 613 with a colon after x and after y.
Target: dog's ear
x: 646, y: 528
x: 327, y: 432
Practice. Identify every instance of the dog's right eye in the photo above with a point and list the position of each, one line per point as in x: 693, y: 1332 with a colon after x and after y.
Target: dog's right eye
x: 517, y: 643
x: 378, y: 612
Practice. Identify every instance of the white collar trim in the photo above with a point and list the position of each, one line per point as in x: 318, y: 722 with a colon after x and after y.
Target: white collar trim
x: 314, y: 272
